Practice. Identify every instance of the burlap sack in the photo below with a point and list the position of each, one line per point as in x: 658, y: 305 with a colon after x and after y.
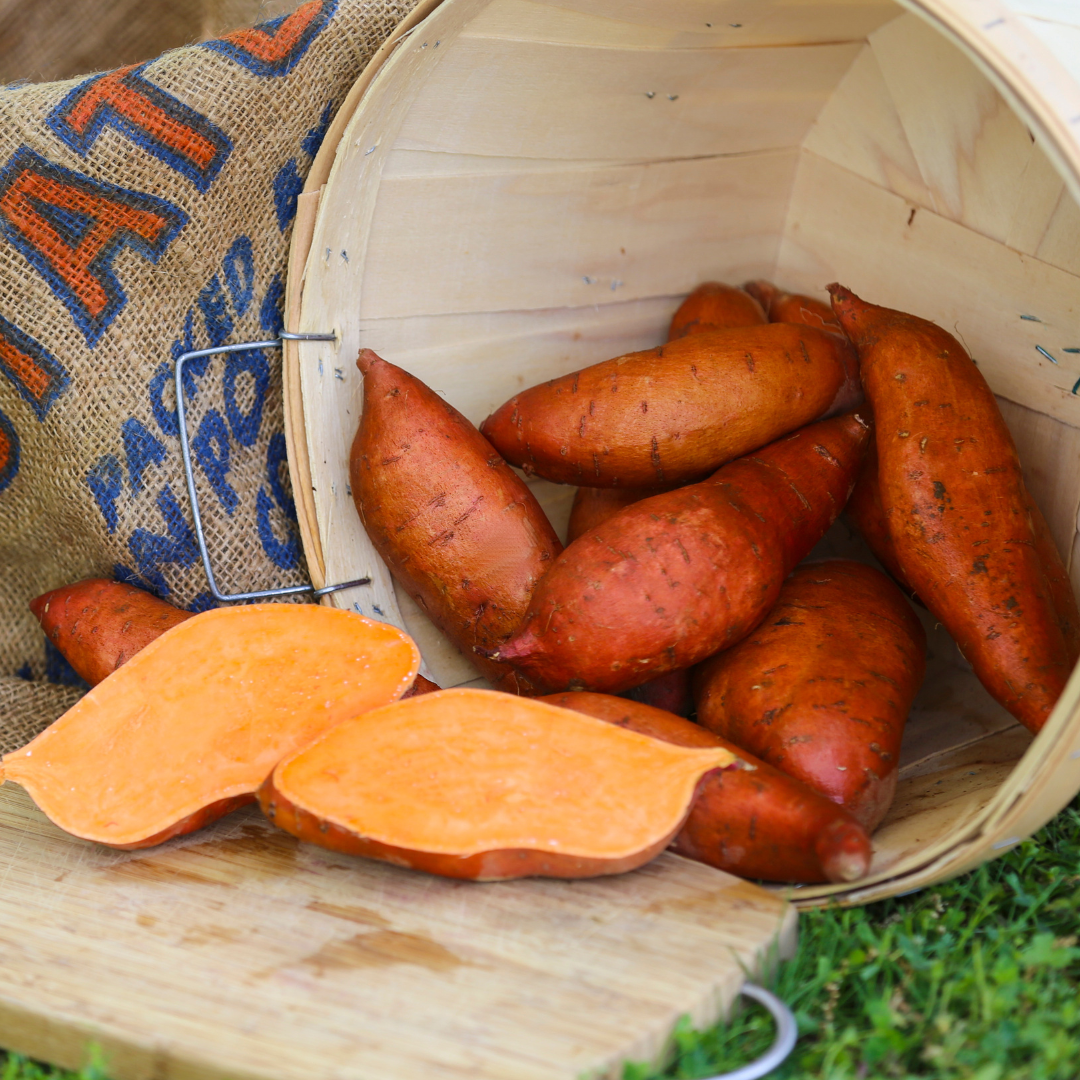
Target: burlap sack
x: 146, y: 212
x: 56, y: 39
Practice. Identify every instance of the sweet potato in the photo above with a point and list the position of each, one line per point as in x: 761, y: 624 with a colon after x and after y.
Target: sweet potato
x: 670, y: 580
x: 865, y: 512
x: 99, y: 624
x: 806, y: 311
x: 486, y: 786
x: 959, y: 513
x: 191, y: 726
x: 780, y: 306
x: 751, y: 820
x: 674, y: 413
x: 593, y: 506
x: 453, y: 522
x: 713, y: 306
x: 823, y: 686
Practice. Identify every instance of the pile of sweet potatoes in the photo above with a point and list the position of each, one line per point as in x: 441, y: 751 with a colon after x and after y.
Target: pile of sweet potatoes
x: 707, y: 468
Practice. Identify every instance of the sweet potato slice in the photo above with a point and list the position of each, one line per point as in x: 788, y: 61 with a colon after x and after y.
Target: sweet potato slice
x: 99, y: 624
x: 484, y: 785
x: 193, y: 724
x: 822, y: 688
x: 751, y: 820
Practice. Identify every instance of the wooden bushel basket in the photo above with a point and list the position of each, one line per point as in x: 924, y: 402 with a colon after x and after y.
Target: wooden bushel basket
x: 517, y: 188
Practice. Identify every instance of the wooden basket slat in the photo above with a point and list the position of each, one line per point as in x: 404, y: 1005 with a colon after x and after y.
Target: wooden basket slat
x: 514, y: 241
x: 682, y: 24
x: 727, y: 101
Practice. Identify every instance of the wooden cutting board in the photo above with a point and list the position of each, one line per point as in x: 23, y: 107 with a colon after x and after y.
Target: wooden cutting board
x: 240, y: 952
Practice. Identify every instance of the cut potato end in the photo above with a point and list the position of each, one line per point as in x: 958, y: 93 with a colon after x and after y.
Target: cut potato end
x: 464, y: 773
x: 204, y: 713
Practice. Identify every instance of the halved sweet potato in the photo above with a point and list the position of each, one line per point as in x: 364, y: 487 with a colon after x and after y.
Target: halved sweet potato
x: 190, y: 727
x: 484, y: 785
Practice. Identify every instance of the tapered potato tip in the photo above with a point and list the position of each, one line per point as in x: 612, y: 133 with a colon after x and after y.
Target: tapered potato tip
x: 854, y: 314
x: 366, y: 358
x: 844, y: 851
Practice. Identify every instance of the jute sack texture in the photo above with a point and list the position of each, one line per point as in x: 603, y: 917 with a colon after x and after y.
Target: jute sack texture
x: 56, y: 39
x: 146, y: 212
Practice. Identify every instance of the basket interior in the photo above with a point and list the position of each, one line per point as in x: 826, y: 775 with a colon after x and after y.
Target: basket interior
x: 530, y: 186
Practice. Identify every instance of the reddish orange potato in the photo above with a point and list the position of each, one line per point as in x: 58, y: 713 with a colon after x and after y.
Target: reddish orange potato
x: 593, y: 506
x: 959, y: 513
x: 670, y: 692
x: 823, y: 687
x: 190, y: 727
x: 670, y: 580
x: 865, y: 512
x: 785, y: 307
x: 451, y: 519
x: 98, y: 624
x: 526, y: 789
x: 753, y: 820
x: 806, y: 311
x: 421, y: 686
x: 713, y: 306
x: 675, y: 413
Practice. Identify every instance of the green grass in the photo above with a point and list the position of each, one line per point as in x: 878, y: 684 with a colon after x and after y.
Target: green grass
x: 976, y: 979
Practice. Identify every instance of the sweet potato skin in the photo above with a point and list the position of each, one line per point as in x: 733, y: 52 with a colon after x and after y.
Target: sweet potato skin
x: 453, y: 522
x: 714, y: 306
x: 822, y: 688
x: 865, y: 512
x: 672, y: 414
x: 593, y: 506
x: 802, y: 310
x: 192, y: 823
x: 672, y: 579
x: 958, y: 511
x: 484, y: 866
x: 98, y: 624
x: 754, y: 821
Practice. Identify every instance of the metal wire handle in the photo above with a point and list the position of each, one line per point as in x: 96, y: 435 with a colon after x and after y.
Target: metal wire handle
x: 189, y: 475
x: 787, y: 1032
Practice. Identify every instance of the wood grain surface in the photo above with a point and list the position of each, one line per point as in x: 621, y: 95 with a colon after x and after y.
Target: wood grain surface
x: 240, y: 952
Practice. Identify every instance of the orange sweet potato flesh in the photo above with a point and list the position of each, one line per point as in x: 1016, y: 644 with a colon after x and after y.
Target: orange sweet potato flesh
x: 753, y: 820
x: 822, y: 688
x: 453, y: 522
x: 714, y: 306
x: 192, y: 725
x: 487, y: 786
x: 967, y: 535
x: 99, y: 624
x: 672, y: 579
x: 674, y: 413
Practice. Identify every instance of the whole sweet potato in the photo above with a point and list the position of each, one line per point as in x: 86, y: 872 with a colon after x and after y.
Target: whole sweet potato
x: 99, y: 624
x: 752, y: 820
x: 959, y: 513
x: 670, y: 580
x: 453, y: 522
x: 714, y: 306
x: 822, y: 688
x: 674, y: 413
